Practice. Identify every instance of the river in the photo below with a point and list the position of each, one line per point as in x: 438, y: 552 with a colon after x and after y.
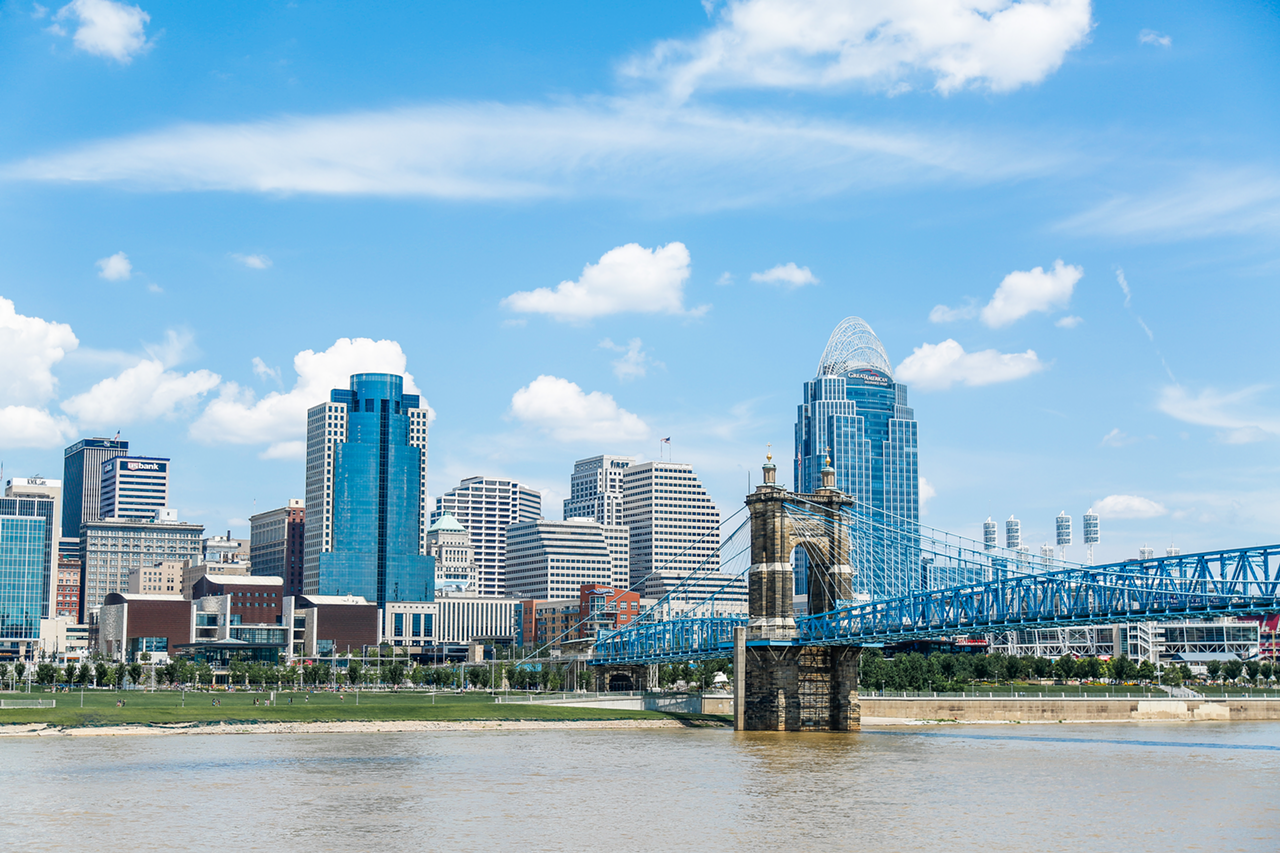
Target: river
x: 1160, y: 787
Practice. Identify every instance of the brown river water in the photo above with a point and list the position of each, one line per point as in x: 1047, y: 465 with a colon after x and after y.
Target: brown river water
x: 1158, y: 787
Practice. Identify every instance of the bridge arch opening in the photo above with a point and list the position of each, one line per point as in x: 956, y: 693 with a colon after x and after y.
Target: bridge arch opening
x: 621, y: 682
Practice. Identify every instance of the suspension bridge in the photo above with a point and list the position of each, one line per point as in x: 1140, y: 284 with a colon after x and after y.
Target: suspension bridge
x: 800, y: 673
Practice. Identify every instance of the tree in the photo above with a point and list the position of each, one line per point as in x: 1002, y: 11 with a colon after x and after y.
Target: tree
x: 1254, y: 668
x: 1185, y: 671
x: 1213, y: 668
x: 4, y: 673
x: 1172, y: 676
x: 101, y: 674
x: 85, y: 674
x: 69, y: 674
x: 584, y: 680
x: 19, y: 670
x: 1232, y: 669
x: 395, y: 674
x: 1266, y: 670
x: 1146, y: 671
x: 46, y: 673
x: 354, y: 671
x: 1064, y: 667
x: 1042, y: 667
x: 135, y: 673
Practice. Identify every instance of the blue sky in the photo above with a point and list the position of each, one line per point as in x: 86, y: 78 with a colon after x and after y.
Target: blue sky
x: 582, y: 228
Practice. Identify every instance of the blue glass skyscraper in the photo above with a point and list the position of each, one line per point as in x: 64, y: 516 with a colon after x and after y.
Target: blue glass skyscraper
x: 366, y: 494
x: 856, y: 414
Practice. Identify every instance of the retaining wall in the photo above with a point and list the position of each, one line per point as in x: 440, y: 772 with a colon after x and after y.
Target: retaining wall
x: 1027, y: 710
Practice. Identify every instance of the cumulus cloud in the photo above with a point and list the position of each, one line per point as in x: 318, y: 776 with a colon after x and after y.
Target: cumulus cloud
x: 564, y: 411
x: 629, y: 278
x: 634, y: 361
x: 892, y: 45
x: 1022, y: 293
x: 28, y: 426
x: 116, y: 267
x: 944, y: 314
x: 104, y: 28
x: 787, y: 275
x: 146, y: 391
x: 254, y: 262
x: 29, y: 348
x: 1237, y: 414
x: 278, y: 419
x: 1128, y: 506
x: 927, y: 493
x: 1154, y: 38
x: 1068, y: 322
x: 934, y: 367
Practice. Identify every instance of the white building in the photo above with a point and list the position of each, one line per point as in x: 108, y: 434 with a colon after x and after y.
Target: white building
x: 595, y: 489
x: 134, y: 487
x: 463, y: 618
x: 111, y: 547
x: 553, y: 559
x: 450, y: 544
x: 673, y: 523
x: 711, y: 593
x: 486, y: 508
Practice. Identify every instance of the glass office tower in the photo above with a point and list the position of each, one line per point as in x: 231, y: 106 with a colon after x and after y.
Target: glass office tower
x: 366, y: 494
x: 855, y: 412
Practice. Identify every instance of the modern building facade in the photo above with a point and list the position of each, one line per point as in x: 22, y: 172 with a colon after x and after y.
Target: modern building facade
x: 276, y: 544
x: 552, y: 559
x: 48, y: 497
x: 134, y: 487
x: 366, y: 499
x: 450, y: 544
x: 109, y: 548
x: 596, y: 490
x: 855, y: 415
x: 464, y: 618
x: 672, y: 522
x: 82, y: 479
x: 24, y: 573
x: 486, y: 507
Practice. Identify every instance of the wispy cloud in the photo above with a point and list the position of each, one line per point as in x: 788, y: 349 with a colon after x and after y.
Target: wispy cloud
x: 1154, y: 38
x: 1237, y: 414
x: 254, y: 262
x: 634, y: 363
x: 614, y: 148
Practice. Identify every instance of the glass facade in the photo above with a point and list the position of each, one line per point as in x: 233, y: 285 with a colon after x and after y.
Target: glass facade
x: 854, y: 411
x: 82, y: 479
x: 375, y: 497
x: 24, y: 571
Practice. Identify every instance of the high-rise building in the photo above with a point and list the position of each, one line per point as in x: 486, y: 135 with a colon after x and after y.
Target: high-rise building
x: 487, y: 507
x: 595, y: 489
x: 450, y: 544
x: 40, y: 489
x: 276, y: 543
x: 66, y: 598
x: 27, y: 549
x: 110, y: 547
x: 163, y: 577
x: 673, y: 523
x: 82, y: 479
x: 553, y: 559
x: 135, y: 487
x: 366, y: 510
x: 856, y: 415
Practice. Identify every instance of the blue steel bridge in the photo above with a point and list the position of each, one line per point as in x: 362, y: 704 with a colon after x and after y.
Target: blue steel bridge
x: 962, y: 588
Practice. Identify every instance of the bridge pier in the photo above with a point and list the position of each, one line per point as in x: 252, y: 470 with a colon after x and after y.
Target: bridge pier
x: 801, y: 689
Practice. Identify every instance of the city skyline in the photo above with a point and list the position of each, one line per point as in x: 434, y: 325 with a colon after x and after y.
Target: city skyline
x: 1036, y: 240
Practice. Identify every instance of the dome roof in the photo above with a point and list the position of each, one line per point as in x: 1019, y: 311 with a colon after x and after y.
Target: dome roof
x: 446, y: 522
x: 853, y: 345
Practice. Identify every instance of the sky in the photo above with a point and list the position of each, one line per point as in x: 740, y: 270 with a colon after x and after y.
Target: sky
x: 582, y: 227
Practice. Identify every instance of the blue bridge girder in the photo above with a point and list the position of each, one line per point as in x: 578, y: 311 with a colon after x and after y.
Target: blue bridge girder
x: 1221, y: 583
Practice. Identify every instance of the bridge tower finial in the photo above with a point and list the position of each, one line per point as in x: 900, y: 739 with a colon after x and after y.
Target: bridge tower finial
x: 770, y: 470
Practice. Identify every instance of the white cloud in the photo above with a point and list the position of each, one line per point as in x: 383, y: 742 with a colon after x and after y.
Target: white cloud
x: 634, y: 360
x: 788, y: 275
x: 1068, y: 322
x: 1128, y: 506
x: 629, y: 278
x: 1236, y: 413
x: 943, y: 314
x: 254, y: 262
x: 687, y: 157
x: 725, y: 279
x: 1155, y: 38
x: 1116, y: 438
x: 1021, y: 293
x: 286, y: 450
x: 116, y: 267
x: 1189, y: 205
x: 143, y: 392
x: 27, y: 426
x: 29, y: 348
x: 104, y: 28
x: 887, y: 44
x: 939, y: 366
x: 38, y: 11
x: 261, y: 371
x: 927, y: 493
x: 564, y: 411
x: 239, y: 416
x: 1124, y: 287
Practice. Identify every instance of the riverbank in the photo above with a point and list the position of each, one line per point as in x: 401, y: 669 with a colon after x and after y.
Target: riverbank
x: 341, y: 727
x: 891, y: 711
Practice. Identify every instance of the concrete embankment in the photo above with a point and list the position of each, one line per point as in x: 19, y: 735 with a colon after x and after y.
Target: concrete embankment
x: 878, y: 710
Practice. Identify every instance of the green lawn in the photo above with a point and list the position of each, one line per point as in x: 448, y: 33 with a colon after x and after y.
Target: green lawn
x: 167, y: 707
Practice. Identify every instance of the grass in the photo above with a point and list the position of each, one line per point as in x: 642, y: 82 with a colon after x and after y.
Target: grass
x: 166, y: 706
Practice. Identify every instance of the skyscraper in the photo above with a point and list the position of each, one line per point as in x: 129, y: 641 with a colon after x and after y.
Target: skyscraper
x: 673, y: 523
x: 856, y: 414
x: 28, y: 560
x: 135, y: 487
x: 486, y: 507
x: 366, y: 511
x: 553, y: 559
x: 595, y: 489
x: 82, y: 480
x: 276, y: 544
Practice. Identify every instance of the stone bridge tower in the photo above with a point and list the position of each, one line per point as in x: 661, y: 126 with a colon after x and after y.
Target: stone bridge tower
x: 783, y: 686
